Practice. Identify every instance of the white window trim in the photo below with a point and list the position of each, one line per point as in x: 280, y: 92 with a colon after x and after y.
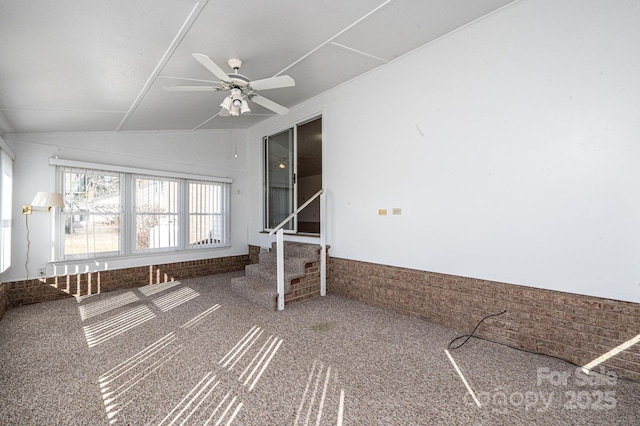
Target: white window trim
x: 55, y: 161
x: 131, y: 172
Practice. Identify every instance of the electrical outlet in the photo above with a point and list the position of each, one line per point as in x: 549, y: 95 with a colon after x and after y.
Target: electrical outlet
x: 382, y: 212
x: 397, y: 211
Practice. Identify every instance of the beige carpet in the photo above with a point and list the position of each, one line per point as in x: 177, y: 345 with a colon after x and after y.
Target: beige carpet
x: 194, y: 353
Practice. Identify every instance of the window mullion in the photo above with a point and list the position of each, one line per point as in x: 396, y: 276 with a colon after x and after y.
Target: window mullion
x: 127, y: 207
x: 183, y: 214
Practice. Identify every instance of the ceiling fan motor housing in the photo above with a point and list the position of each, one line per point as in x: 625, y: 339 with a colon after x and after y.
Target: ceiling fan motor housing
x: 235, y: 64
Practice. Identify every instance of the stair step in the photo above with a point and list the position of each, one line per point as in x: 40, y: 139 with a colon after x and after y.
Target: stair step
x: 270, y: 276
x: 293, y: 264
x: 294, y: 249
x: 260, y: 281
x: 256, y: 291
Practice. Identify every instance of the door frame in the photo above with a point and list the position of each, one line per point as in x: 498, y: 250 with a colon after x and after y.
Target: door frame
x: 265, y: 199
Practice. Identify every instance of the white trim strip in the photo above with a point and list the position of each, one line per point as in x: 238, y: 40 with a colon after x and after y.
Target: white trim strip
x: 344, y: 30
x: 7, y: 149
x: 177, y: 40
x: 360, y: 52
x: 54, y: 161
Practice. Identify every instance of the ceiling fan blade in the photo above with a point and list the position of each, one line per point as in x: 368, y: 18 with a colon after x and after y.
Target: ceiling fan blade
x: 272, y: 83
x: 192, y: 88
x: 277, y: 108
x: 211, y: 66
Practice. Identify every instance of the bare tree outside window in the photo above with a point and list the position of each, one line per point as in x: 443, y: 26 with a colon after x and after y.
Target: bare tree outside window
x: 92, y: 213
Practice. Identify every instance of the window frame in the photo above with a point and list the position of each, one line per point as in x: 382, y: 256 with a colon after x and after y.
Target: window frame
x: 61, y: 218
x: 127, y: 232
x: 175, y: 203
x: 6, y: 202
x: 224, y: 214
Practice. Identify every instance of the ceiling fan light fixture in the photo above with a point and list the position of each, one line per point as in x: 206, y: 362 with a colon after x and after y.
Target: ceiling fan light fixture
x: 236, y: 94
x: 226, y: 103
x: 244, y: 107
x: 240, y: 86
x: 235, y: 102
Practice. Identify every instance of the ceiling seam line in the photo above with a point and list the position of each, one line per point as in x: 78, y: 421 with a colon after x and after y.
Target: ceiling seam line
x: 335, y: 36
x: 65, y: 110
x: 360, y: 52
x: 205, y: 122
x: 173, y: 46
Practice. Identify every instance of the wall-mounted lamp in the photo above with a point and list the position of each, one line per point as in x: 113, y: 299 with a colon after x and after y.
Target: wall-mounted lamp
x: 43, y: 202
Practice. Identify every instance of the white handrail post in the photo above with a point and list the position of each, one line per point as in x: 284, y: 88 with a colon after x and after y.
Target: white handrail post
x: 323, y: 245
x: 280, y: 267
x: 279, y: 231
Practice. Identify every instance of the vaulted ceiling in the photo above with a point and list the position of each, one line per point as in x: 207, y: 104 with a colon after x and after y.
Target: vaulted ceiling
x: 97, y: 65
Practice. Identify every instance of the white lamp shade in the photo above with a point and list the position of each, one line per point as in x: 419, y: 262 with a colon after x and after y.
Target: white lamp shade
x: 244, y: 109
x: 48, y: 199
x: 226, y: 103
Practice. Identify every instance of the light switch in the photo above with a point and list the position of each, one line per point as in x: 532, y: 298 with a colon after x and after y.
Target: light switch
x: 382, y: 212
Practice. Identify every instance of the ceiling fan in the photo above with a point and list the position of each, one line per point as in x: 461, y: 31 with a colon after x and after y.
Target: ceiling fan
x: 241, y: 88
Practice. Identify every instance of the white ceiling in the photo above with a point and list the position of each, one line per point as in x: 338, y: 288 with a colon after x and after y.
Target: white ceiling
x: 100, y: 65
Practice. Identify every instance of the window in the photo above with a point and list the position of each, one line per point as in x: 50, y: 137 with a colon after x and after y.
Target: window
x: 92, y: 215
x: 120, y: 213
x: 6, y: 183
x: 208, y: 213
x: 156, y: 213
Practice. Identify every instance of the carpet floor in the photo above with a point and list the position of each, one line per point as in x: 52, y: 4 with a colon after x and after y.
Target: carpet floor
x: 192, y: 352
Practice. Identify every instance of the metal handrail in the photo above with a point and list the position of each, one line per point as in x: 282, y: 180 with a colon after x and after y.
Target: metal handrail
x: 296, y: 211
x: 280, y: 249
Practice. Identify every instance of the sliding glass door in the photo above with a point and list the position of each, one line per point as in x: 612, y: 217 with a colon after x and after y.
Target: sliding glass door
x: 293, y: 174
x: 279, y: 179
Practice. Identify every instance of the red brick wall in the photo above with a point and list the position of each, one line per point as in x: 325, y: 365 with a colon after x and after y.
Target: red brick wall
x: 575, y: 328
x: 254, y: 254
x: 52, y: 288
x: 305, y: 287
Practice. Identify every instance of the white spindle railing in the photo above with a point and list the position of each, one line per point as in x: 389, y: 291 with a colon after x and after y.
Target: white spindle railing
x: 280, y: 248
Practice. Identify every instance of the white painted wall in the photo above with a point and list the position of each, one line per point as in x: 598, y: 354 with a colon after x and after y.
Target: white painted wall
x: 512, y: 147
x: 210, y: 153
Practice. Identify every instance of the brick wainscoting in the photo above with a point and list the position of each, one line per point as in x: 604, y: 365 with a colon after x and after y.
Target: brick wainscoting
x: 572, y: 327
x: 254, y: 254
x: 52, y: 288
x: 306, y: 287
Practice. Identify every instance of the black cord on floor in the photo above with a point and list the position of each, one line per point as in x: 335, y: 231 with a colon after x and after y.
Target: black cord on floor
x: 468, y: 336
